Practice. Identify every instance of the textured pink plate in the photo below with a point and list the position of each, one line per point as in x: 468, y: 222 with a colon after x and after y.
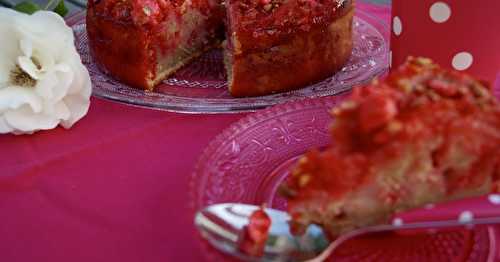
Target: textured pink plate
x: 248, y: 161
x: 201, y: 86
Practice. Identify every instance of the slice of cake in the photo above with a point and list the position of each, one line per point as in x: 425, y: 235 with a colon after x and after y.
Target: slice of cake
x: 280, y: 45
x: 424, y: 135
x: 140, y: 42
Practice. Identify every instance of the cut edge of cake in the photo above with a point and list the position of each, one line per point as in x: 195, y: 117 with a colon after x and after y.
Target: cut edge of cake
x: 142, y: 53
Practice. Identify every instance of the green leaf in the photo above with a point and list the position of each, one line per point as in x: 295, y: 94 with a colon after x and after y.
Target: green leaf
x: 27, y: 7
x: 61, y: 9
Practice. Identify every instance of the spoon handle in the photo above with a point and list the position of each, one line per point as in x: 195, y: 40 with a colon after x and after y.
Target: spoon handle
x: 483, y: 210
x: 464, y: 211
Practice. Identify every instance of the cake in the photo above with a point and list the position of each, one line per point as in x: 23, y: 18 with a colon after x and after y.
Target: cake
x: 271, y: 45
x: 423, y: 135
x: 279, y: 45
x: 141, y: 42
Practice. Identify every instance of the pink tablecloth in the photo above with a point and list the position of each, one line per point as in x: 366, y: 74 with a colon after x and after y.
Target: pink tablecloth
x: 113, y: 188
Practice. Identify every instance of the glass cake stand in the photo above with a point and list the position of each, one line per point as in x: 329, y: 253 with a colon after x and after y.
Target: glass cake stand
x: 201, y: 86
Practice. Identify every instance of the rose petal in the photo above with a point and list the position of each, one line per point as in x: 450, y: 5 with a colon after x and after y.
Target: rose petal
x: 25, y: 120
x: 42, y: 26
x: 26, y: 47
x: 45, y: 58
x: 8, y: 46
x: 14, y: 97
x: 62, y: 68
x: 78, y: 106
x: 78, y: 98
x: 6, y: 66
x: 61, y: 111
x: 65, y: 80
x: 49, y: 19
x: 43, y: 23
x: 45, y: 86
x: 4, y: 126
x: 81, y: 81
x: 86, y: 83
x: 28, y: 67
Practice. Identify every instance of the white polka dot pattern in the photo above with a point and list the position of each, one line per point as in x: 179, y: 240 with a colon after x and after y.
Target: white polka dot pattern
x: 494, y: 199
x: 397, y: 26
x: 440, y: 12
x: 465, y: 217
x: 462, y: 61
x: 457, y: 35
x: 397, y: 222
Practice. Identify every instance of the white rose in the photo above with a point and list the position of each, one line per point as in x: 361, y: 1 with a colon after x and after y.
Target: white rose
x: 43, y: 82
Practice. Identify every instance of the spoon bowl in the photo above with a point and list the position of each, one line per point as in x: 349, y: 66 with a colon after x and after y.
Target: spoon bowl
x: 222, y: 225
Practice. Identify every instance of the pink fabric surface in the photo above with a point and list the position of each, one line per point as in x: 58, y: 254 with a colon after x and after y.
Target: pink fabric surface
x: 496, y: 87
x: 113, y: 188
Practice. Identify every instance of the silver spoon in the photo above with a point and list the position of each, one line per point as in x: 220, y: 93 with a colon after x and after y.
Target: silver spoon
x: 221, y: 225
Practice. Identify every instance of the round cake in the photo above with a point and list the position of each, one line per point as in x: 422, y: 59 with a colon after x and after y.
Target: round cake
x: 271, y: 45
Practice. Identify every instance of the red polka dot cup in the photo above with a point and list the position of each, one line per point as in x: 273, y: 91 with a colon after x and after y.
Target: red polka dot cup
x: 460, y: 34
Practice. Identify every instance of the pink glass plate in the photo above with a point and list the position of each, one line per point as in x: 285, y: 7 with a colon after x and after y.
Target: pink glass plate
x: 248, y: 161
x: 200, y: 87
